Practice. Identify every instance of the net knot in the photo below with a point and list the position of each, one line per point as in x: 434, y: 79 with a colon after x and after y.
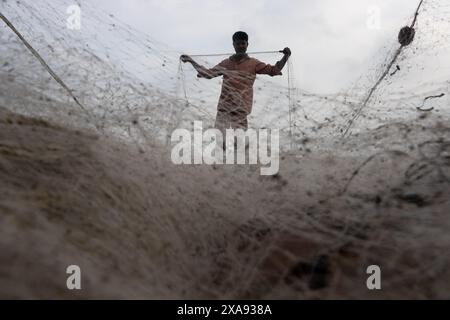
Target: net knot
x: 406, y: 36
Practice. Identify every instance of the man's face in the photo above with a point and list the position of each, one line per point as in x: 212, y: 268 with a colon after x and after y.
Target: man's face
x: 240, y: 46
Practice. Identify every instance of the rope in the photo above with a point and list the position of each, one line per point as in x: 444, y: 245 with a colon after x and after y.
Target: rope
x: 41, y: 60
x: 428, y: 98
x: 383, y: 76
x: 289, y: 101
x: 416, y: 14
x: 183, y: 80
x: 230, y: 54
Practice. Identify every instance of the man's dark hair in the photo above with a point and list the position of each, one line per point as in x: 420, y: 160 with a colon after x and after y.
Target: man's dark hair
x: 240, y: 35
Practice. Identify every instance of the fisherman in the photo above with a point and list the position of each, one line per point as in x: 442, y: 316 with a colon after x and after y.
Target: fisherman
x: 239, y: 73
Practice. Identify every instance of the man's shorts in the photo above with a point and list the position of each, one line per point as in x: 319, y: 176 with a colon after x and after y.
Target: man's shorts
x: 235, y: 119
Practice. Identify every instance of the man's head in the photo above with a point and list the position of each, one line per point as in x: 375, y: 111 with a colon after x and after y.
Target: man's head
x: 240, y: 42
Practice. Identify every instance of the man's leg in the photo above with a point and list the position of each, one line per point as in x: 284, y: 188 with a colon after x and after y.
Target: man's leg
x: 239, y: 121
x: 222, y: 124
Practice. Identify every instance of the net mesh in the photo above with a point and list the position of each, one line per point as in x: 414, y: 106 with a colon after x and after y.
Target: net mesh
x: 303, y: 233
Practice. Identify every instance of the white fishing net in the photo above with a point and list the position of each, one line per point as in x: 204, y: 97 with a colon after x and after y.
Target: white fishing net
x: 356, y: 164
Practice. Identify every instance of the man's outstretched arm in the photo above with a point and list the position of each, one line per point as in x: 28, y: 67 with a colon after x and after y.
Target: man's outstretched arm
x: 202, y: 71
x: 262, y: 68
x: 280, y: 64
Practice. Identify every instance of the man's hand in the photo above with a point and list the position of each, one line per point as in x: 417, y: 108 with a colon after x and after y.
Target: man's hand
x: 202, y: 71
x: 185, y: 58
x: 286, y: 51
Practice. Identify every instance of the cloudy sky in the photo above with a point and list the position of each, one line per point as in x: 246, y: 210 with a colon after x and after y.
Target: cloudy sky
x: 333, y: 41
